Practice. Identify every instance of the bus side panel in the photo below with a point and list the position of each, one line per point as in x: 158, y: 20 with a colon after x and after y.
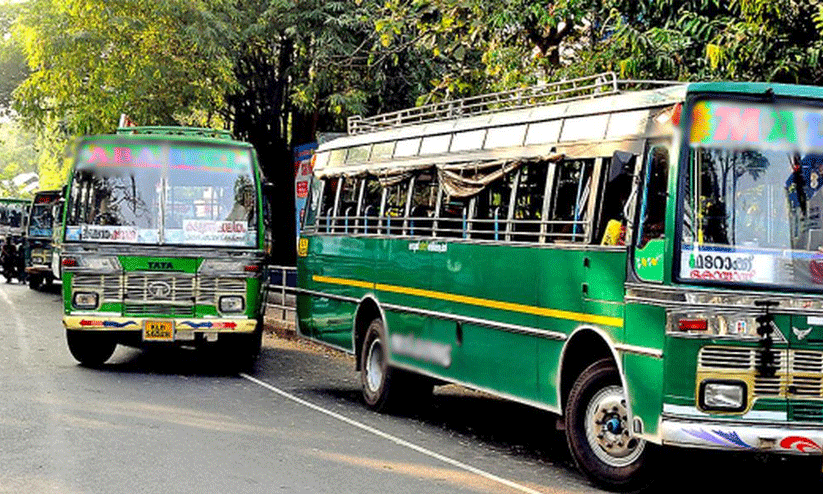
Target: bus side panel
x: 404, y: 268
x: 496, y: 284
x: 336, y: 266
x: 646, y: 328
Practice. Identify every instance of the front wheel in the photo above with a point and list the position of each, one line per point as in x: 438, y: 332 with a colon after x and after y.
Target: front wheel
x: 599, y: 434
x: 90, y: 348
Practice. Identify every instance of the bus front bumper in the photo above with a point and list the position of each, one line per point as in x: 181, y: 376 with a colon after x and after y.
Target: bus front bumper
x: 182, y: 329
x: 795, y: 438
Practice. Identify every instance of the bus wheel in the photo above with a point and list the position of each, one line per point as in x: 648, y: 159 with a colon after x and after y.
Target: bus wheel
x: 376, y: 376
x: 35, y: 281
x: 598, y: 432
x: 90, y: 348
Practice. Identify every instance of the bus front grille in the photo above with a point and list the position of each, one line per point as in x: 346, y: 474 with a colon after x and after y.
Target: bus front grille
x: 159, y: 293
x: 110, y: 286
x: 799, y: 373
x: 209, y: 288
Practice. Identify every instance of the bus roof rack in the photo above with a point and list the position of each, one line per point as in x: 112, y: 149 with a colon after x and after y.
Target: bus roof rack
x: 176, y: 131
x: 588, y: 87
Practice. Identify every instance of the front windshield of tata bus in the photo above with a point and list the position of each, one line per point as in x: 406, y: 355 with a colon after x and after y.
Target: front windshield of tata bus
x: 752, y: 200
x: 157, y: 192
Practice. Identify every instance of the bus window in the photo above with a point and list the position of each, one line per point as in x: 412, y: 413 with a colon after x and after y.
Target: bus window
x: 344, y: 218
x: 370, y: 204
x: 453, y: 216
x: 394, y: 207
x: 492, y: 209
x: 567, y: 215
x: 616, y: 192
x: 423, y: 203
x: 313, y: 209
x: 528, y: 205
x: 325, y: 211
x: 652, y: 220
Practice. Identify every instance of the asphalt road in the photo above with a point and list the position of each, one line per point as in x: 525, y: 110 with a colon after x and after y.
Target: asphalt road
x: 178, y: 421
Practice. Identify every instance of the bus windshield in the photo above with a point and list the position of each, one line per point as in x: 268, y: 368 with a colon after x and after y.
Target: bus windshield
x: 752, y: 202
x: 163, y: 193
x: 41, y: 221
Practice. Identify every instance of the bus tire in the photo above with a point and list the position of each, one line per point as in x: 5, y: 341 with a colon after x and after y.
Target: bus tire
x: 90, y: 348
x: 35, y: 281
x: 376, y: 376
x: 598, y: 433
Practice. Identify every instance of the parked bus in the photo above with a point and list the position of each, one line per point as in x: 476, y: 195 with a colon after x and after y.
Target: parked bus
x: 164, y: 243
x: 647, y: 264
x: 13, y: 212
x: 43, y: 219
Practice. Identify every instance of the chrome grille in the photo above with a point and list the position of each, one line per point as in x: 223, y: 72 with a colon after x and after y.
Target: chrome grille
x: 799, y: 372
x: 726, y: 358
x: 159, y: 293
x: 209, y: 287
x: 110, y: 286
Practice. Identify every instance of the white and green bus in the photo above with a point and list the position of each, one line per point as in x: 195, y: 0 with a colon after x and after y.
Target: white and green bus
x: 163, y: 243
x: 647, y: 264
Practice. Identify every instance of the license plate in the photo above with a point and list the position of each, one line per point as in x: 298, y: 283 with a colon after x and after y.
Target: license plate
x: 158, y: 331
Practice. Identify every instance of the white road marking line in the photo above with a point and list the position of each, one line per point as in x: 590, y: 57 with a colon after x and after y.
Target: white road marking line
x: 394, y: 439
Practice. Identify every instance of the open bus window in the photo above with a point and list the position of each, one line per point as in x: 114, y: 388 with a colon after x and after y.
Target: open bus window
x: 492, y: 209
x: 370, y: 206
x: 453, y: 217
x: 313, y: 210
x: 652, y: 221
x: 423, y: 204
x: 528, y: 202
x: 616, y: 193
x: 570, y: 196
x: 325, y: 203
x: 346, y: 210
x: 394, y: 207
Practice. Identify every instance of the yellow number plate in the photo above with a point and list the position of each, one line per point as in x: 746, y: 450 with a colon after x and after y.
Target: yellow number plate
x: 158, y: 331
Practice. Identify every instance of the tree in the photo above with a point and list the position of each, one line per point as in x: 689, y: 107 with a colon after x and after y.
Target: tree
x: 90, y: 61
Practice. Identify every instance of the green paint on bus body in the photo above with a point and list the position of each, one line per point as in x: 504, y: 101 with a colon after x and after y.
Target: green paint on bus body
x: 504, y: 316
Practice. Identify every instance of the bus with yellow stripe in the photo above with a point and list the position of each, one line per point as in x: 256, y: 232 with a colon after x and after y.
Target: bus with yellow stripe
x: 643, y: 259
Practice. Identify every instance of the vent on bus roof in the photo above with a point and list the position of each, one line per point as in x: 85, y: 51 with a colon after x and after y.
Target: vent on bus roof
x: 176, y: 131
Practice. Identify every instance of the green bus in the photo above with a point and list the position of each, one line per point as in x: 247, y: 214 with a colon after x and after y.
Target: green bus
x: 643, y: 260
x: 42, y: 264
x: 163, y: 243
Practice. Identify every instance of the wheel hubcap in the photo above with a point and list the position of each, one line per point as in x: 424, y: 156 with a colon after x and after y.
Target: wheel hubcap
x: 608, y: 431
x: 374, y: 366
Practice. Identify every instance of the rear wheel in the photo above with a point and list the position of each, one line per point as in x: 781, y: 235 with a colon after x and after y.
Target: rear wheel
x: 599, y: 434
x: 385, y: 387
x: 90, y: 348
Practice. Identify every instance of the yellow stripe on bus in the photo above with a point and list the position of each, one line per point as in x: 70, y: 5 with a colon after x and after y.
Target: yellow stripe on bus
x: 480, y: 302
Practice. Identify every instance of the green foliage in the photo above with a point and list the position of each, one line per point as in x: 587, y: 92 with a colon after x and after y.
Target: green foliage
x: 18, y: 154
x: 90, y: 61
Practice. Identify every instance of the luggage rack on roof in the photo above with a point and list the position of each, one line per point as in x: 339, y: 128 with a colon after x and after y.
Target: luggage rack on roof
x: 588, y: 87
x: 176, y: 131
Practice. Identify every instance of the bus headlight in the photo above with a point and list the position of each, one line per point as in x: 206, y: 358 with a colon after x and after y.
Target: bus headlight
x: 725, y: 396
x: 84, y: 300
x: 232, y: 303
x: 99, y: 264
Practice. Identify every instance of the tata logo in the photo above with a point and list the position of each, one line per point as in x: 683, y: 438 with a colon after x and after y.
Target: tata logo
x: 158, y: 265
x: 159, y: 290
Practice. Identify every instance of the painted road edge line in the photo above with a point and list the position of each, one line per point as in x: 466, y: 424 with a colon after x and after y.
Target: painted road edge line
x: 394, y: 439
